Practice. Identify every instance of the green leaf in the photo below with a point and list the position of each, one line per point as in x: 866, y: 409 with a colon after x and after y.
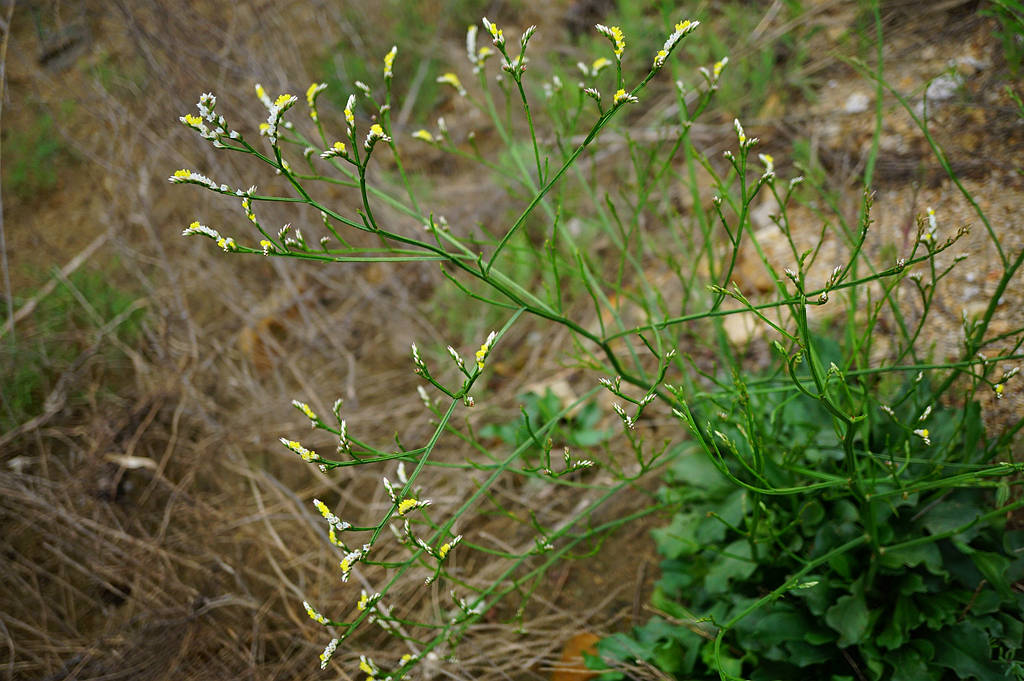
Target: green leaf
x: 781, y: 625
x: 912, y: 556
x: 735, y: 565
x: 679, y: 538
x: 713, y: 530
x: 1013, y: 631
x: 993, y: 566
x: 804, y: 654
x: 951, y: 514
x: 908, y: 665
x: 964, y: 648
x: 941, y: 608
x: 696, y: 470
x: 850, y: 617
x: 904, y: 617
x: 817, y: 597
x: 912, y: 583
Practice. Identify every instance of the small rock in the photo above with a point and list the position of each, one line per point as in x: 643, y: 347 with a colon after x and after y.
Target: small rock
x: 943, y: 87
x: 857, y: 102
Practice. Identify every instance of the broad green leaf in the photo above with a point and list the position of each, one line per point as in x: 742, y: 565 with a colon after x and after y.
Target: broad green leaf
x: 911, y: 556
x: 679, y: 538
x: 696, y: 470
x: 901, y: 620
x: 941, y: 608
x: 908, y: 665
x: 850, y: 617
x: 952, y: 514
x: 804, y: 654
x: 993, y: 566
x: 964, y: 648
x: 781, y: 625
x: 817, y: 597
x: 734, y: 564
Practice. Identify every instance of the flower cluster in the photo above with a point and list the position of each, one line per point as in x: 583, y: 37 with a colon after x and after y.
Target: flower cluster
x: 715, y: 73
x: 389, y: 62
x: 349, y: 560
x: 196, y: 228
x: 599, y: 65
x: 407, y: 505
x: 928, y: 236
x: 337, y: 149
x: 375, y: 134
x: 453, y: 80
x: 312, y: 92
x: 485, y: 349
x: 309, y: 413
x: 423, y: 134
x: 628, y: 421
x: 314, y: 614
x: 186, y: 176
x: 275, y: 110
x: 477, y: 56
x: 623, y: 96
x: 207, y: 117
x: 1000, y: 387
x: 614, y: 34
x: 306, y: 454
x: 497, y: 37
x: 325, y: 656
x: 682, y: 29
x: 745, y: 142
x: 336, y: 524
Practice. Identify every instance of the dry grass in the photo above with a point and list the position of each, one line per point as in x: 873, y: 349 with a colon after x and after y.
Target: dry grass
x: 152, y: 528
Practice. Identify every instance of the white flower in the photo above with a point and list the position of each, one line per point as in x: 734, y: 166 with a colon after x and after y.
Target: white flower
x: 196, y: 228
x: 325, y: 656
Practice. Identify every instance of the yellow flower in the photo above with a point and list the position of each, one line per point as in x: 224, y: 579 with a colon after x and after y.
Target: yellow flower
x: 623, y: 96
x: 619, y: 39
x: 311, y: 92
x: 193, y: 120
x: 183, y: 173
x: 282, y: 100
x: 407, y: 505
x: 423, y: 135
x: 453, y: 80
x: 349, y: 116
